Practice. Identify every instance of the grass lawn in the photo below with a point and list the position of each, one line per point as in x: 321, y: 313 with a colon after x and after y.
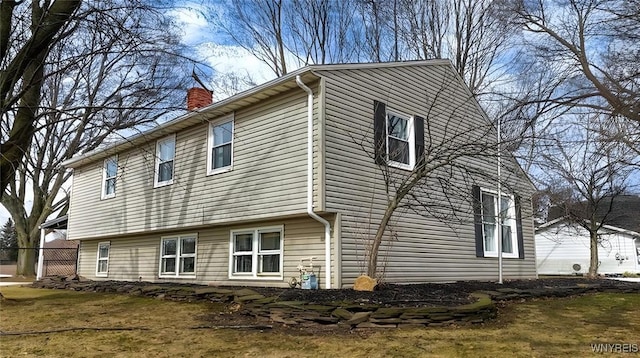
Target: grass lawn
x: 560, y: 327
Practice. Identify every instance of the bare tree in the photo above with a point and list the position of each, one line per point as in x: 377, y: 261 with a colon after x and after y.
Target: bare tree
x: 591, y: 46
x: 118, y: 70
x: 473, y: 34
x: 377, y: 40
x: 446, y: 165
x: 321, y: 31
x: 581, y: 174
x: 28, y: 30
x: 260, y: 28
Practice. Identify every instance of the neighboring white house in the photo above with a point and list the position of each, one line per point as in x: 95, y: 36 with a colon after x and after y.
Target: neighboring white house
x: 562, y: 248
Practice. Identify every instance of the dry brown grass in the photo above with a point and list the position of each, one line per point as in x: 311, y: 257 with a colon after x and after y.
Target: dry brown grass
x: 563, y: 327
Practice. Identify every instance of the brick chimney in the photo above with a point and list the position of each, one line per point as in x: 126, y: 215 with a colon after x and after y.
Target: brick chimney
x: 198, y: 98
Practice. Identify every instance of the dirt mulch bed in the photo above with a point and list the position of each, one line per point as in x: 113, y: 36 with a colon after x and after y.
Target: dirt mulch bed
x: 439, y: 294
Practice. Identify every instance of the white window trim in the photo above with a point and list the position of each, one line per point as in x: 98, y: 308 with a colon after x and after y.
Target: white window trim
x: 210, y: 169
x: 513, y: 226
x: 178, y: 256
x: 254, y: 274
x: 103, y: 195
x: 156, y: 183
x: 411, y: 140
x: 98, y: 259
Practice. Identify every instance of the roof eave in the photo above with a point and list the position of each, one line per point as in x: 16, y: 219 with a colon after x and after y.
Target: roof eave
x: 215, y: 109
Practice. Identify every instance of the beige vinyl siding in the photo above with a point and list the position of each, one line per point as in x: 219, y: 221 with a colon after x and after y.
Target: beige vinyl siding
x: 424, y: 248
x: 268, y: 177
x: 137, y: 257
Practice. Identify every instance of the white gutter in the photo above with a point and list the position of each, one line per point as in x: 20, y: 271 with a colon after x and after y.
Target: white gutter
x: 327, y: 226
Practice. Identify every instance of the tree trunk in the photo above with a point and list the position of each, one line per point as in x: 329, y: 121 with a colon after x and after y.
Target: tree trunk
x: 27, y: 255
x: 593, y: 246
x: 26, y: 262
x: 372, y: 264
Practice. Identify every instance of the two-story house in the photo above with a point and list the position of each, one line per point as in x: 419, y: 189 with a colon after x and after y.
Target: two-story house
x: 238, y: 191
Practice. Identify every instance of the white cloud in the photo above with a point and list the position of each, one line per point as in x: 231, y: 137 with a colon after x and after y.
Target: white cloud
x: 193, y: 23
x: 234, y: 59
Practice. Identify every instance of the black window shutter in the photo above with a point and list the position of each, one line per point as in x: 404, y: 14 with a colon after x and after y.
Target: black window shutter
x: 477, y: 220
x: 418, y: 122
x: 519, y: 227
x: 379, y: 131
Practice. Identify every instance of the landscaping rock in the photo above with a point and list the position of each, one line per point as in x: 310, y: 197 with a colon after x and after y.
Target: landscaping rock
x: 212, y: 290
x: 342, y: 314
x: 241, y: 299
x: 414, y: 305
x: 364, y: 283
x: 245, y: 292
x: 388, y: 312
x: 359, y: 317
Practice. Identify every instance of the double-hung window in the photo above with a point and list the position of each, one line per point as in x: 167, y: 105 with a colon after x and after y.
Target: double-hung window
x: 256, y: 253
x: 109, y: 174
x: 400, y: 140
x: 165, y: 154
x: 220, y: 145
x: 492, y: 220
x: 178, y: 256
x: 102, y: 264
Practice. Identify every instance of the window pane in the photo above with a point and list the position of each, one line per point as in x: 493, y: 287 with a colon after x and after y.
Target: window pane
x: 188, y: 265
x: 111, y: 167
x: 507, y: 244
x: 270, y: 241
x: 222, y: 156
x: 488, y: 208
x: 169, y: 265
x: 504, y: 208
x: 102, y: 266
x: 166, y: 150
x: 169, y: 247
x: 110, y: 186
x: 243, y: 263
x: 489, y: 237
x: 222, y: 133
x: 165, y: 171
x: 243, y: 242
x: 398, y: 127
x: 398, y: 151
x: 270, y: 263
x: 103, y: 251
x: 188, y: 246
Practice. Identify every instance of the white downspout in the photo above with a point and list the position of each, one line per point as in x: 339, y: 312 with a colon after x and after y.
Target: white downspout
x: 40, y: 255
x: 498, y: 221
x: 327, y: 226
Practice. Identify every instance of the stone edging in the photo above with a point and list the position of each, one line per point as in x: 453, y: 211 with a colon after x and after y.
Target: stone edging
x: 353, y: 314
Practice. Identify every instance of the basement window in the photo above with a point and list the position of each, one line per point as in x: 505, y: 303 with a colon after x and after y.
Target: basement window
x: 178, y: 256
x: 256, y: 254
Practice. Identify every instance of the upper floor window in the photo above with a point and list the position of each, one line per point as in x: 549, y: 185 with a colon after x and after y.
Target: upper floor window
x: 165, y: 154
x: 398, y: 138
x: 220, y: 145
x: 109, y: 174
